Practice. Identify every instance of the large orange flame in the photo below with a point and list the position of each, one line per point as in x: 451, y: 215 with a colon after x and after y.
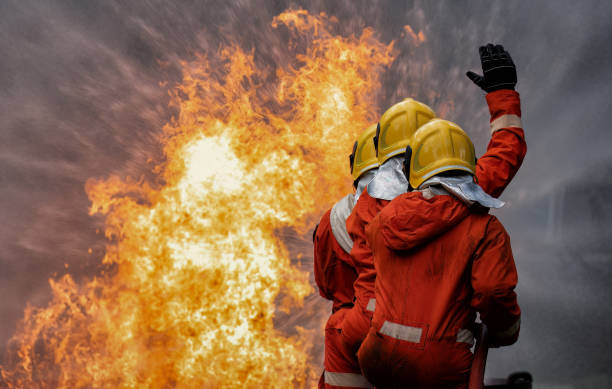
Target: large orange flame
x: 198, y: 269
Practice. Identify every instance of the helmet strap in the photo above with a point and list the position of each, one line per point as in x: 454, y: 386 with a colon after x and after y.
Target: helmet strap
x: 352, y: 156
x: 376, y: 138
x: 406, y: 167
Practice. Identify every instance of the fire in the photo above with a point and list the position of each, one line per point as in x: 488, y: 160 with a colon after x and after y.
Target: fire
x: 417, y: 38
x: 196, y: 268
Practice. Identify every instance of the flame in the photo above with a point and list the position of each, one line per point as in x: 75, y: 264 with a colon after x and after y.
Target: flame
x: 196, y: 267
x: 417, y: 38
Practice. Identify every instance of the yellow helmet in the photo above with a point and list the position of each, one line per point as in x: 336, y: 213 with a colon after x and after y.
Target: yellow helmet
x: 397, y: 125
x: 363, y: 157
x: 437, y: 147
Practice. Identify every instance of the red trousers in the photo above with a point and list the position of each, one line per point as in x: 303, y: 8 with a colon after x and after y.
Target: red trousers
x: 341, y: 367
x: 393, y: 363
x: 355, y: 327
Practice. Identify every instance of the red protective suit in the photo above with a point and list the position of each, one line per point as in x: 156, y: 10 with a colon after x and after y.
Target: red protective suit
x: 335, y: 277
x: 332, y: 270
x: 357, y: 321
x: 494, y: 171
x: 436, y: 263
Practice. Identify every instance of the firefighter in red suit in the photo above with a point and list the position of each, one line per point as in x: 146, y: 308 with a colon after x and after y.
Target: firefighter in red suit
x: 439, y: 258
x: 494, y: 171
x: 334, y: 271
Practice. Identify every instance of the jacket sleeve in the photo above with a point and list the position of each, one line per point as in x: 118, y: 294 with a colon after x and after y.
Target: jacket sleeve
x: 323, y: 255
x: 494, y: 278
x: 507, y: 148
x: 364, y: 211
x: 332, y: 273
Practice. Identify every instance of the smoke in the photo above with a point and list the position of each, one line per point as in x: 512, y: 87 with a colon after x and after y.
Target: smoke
x: 83, y: 93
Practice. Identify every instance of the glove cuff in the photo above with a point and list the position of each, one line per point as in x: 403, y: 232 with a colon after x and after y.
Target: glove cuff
x: 504, y: 102
x: 495, y: 88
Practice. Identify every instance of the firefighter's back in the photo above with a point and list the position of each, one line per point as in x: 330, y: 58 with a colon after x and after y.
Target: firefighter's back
x: 422, y: 329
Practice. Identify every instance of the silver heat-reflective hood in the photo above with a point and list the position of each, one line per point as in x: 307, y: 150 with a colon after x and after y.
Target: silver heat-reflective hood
x: 363, y: 181
x: 389, y: 181
x: 464, y: 188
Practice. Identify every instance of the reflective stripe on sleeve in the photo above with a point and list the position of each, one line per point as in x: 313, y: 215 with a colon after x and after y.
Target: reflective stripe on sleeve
x: 350, y: 380
x: 402, y: 332
x: 337, y: 219
x: 371, y: 305
x: 506, y: 121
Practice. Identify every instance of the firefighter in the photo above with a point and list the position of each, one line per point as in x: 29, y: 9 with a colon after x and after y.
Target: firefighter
x: 439, y: 259
x: 334, y: 271
x: 394, y: 129
x: 494, y: 171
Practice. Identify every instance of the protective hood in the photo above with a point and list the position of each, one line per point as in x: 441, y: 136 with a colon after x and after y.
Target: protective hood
x: 389, y: 181
x: 337, y: 218
x: 413, y: 219
x: 464, y: 188
x: 363, y: 181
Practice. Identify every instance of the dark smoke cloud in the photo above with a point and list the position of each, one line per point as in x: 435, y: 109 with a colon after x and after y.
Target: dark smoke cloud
x: 80, y: 97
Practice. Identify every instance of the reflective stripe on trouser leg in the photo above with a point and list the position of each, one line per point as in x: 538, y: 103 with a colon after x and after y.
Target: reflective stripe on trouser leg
x: 341, y: 365
x: 402, y: 332
x: 346, y: 380
x: 414, y: 334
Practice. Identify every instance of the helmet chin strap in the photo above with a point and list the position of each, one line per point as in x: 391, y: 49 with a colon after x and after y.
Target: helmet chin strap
x: 406, y: 166
x: 376, y: 138
x: 352, y: 156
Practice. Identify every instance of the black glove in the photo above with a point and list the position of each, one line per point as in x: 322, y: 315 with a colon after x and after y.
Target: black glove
x: 498, y: 68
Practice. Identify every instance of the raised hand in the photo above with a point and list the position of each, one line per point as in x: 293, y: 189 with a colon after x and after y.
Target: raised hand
x: 499, y: 71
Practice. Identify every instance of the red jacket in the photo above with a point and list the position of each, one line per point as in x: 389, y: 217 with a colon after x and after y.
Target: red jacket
x: 366, y: 208
x: 333, y: 274
x: 494, y: 171
x: 437, y: 263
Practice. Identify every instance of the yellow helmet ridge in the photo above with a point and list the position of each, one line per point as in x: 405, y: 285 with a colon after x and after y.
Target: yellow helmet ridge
x: 440, y: 146
x: 398, y: 124
x: 363, y: 157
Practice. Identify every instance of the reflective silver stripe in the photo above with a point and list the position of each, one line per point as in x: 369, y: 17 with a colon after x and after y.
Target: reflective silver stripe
x: 371, y: 305
x: 509, y: 332
x: 414, y: 334
x: 346, y: 380
x: 396, y: 152
x: 370, y: 167
x: 402, y: 332
x: 506, y: 121
x: 337, y: 219
x: 465, y: 336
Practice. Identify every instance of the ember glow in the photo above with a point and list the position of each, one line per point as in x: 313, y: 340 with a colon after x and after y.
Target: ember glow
x: 197, y: 270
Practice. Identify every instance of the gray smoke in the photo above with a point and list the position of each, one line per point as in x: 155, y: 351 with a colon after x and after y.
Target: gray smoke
x: 80, y: 97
